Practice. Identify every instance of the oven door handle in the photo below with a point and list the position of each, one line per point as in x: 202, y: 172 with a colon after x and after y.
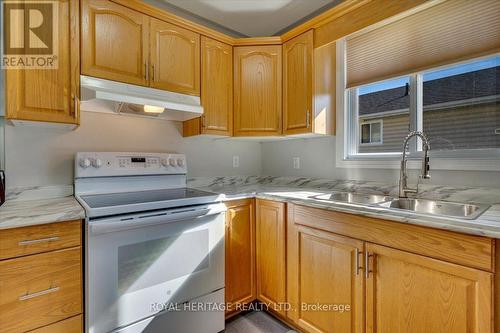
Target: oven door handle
x: 152, y: 219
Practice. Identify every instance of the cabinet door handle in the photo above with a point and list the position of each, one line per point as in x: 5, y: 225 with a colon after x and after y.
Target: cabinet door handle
x: 308, y: 118
x: 146, y: 68
x: 358, y: 268
x: 37, y: 241
x: 76, y: 105
x: 37, y: 294
x: 154, y: 72
x: 203, y: 121
x: 367, y: 264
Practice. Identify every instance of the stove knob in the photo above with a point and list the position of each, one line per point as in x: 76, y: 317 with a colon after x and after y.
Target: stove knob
x: 171, y: 162
x: 180, y: 162
x: 84, y: 163
x: 164, y: 162
x: 96, y: 163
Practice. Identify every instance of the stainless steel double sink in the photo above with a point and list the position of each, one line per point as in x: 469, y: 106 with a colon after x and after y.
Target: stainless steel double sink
x: 418, y: 206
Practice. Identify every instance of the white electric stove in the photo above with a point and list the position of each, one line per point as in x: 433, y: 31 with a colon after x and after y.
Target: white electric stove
x: 154, y: 258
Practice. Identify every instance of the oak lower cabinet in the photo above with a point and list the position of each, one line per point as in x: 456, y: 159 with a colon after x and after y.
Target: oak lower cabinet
x: 389, y: 275
x: 216, y: 91
x: 271, y: 254
x: 50, y: 95
x: 257, y: 90
x: 41, y: 287
x: 71, y: 325
x: 325, y: 281
x: 240, y: 254
x: 410, y: 293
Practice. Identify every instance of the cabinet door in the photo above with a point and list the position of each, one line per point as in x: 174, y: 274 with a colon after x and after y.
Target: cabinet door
x: 298, y: 84
x: 257, y: 90
x: 115, y: 42
x: 411, y: 293
x: 325, y: 269
x: 271, y: 254
x: 175, y: 57
x: 240, y: 253
x: 216, y: 87
x: 50, y: 95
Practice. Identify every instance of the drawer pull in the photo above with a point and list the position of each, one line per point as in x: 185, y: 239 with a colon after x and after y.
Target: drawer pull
x: 36, y: 241
x: 37, y: 294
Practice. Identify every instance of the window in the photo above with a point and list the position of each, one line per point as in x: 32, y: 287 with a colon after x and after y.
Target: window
x: 386, y: 103
x: 457, y: 106
x: 461, y: 106
x: 371, y: 132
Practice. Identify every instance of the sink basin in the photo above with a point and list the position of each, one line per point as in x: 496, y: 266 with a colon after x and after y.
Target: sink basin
x: 441, y: 208
x: 357, y: 198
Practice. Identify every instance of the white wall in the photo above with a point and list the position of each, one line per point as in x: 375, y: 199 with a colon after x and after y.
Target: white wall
x: 37, y: 156
x: 317, y: 159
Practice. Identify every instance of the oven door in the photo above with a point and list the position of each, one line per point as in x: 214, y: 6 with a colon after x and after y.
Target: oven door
x: 140, y: 265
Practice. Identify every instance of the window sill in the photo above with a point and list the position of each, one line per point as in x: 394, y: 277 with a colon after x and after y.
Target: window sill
x: 436, y: 163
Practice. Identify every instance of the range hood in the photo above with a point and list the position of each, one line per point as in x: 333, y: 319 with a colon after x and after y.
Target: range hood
x: 101, y: 95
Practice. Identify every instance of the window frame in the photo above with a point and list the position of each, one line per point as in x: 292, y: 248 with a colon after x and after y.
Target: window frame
x: 487, y: 159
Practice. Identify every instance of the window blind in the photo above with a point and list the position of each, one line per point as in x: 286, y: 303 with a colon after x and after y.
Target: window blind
x: 448, y: 32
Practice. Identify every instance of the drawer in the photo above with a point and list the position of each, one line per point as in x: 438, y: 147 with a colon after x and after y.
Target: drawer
x: 39, y: 290
x: 71, y: 325
x: 23, y: 241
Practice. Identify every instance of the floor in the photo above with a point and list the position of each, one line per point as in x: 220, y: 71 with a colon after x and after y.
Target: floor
x: 256, y: 322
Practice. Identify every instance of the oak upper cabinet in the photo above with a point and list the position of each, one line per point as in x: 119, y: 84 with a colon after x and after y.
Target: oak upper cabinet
x: 411, y: 293
x: 257, y: 90
x: 324, y: 268
x: 175, y: 58
x: 216, y: 91
x: 271, y: 254
x: 115, y: 42
x: 308, y: 86
x: 240, y: 253
x: 50, y: 95
x: 298, y: 84
x: 323, y: 119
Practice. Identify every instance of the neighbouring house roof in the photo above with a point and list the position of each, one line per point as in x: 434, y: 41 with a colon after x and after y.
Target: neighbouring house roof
x: 477, y: 84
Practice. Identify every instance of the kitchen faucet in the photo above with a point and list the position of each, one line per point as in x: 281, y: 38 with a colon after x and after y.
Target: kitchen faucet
x: 403, y: 175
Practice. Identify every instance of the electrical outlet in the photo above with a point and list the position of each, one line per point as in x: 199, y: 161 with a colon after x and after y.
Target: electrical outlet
x: 236, y: 161
x: 296, y: 162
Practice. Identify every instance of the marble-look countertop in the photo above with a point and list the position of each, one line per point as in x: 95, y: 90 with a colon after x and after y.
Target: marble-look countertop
x: 19, y: 212
x: 487, y: 224
x: 22, y: 213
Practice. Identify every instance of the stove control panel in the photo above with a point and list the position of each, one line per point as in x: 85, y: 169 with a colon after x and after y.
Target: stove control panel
x: 108, y: 164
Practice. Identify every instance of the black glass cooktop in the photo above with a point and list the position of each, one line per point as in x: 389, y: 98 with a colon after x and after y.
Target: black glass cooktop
x: 129, y: 198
